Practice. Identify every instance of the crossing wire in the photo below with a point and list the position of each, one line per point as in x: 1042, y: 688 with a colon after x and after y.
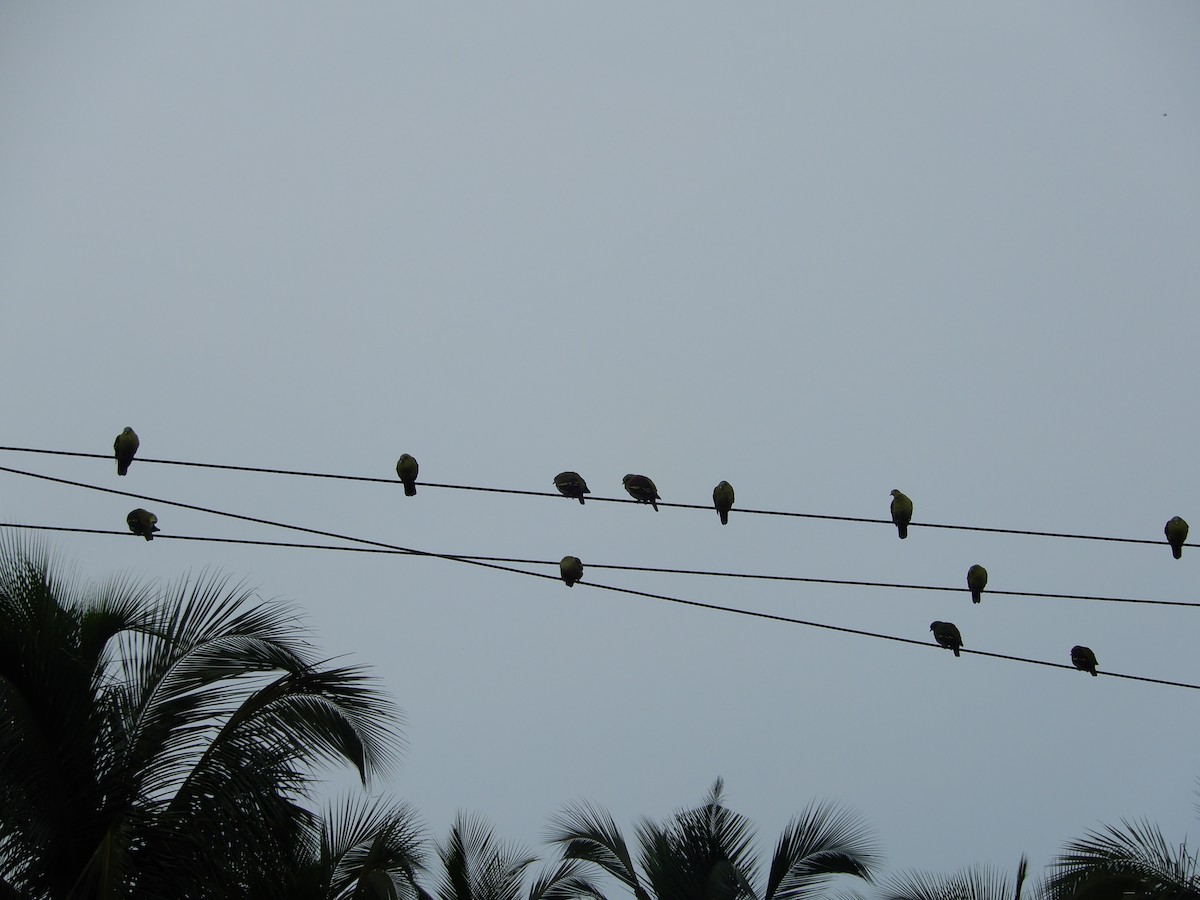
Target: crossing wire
x: 595, y: 499
x: 697, y: 604
x: 800, y: 579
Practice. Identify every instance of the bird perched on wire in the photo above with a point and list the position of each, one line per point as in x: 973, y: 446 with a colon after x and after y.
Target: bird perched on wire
x: 124, y: 447
x: 723, y: 500
x: 976, y: 582
x: 1176, y: 531
x: 571, y: 484
x: 902, y: 509
x: 571, y: 569
x: 946, y: 634
x: 1083, y: 658
x: 407, y: 469
x: 641, y: 489
x: 142, y: 522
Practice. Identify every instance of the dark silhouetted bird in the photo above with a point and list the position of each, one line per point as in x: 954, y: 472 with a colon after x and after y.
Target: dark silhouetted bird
x: 641, y: 489
x: 976, y: 582
x: 946, y: 634
x: 723, y: 500
x: 571, y: 484
x: 1176, y: 531
x: 1083, y: 658
x: 125, y: 446
x: 142, y: 522
x: 571, y: 569
x: 901, y: 513
x: 407, y: 469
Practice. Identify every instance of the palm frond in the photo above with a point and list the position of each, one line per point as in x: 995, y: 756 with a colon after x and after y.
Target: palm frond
x: 174, y: 733
x: 1022, y: 871
x: 704, y: 852
x: 479, y: 866
x: 118, y: 606
x: 1115, y: 861
x: 568, y: 880
x: 588, y: 833
x: 192, y: 682
x: 971, y: 883
x: 51, y: 740
x: 823, y: 840
x: 367, y: 848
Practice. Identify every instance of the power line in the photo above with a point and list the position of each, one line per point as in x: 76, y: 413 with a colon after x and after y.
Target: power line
x: 801, y: 579
x: 603, y: 587
x: 259, y: 521
x: 598, y: 499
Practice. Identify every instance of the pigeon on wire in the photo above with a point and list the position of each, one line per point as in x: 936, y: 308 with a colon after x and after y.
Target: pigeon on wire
x: 1176, y: 532
x: 1083, y: 658
x: 641, y: 489
x: 571, y: 484
x: 946, y: 634
x: 407, y: 469
x: 571, y: 569
x: 723, y: 500
x: 142, y: 522
x: 976, y: 582
x: 902, y: 509
x: 124, y: 448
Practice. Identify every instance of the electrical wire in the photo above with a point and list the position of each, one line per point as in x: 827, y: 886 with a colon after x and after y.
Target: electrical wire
x: 801, y: 579
x: 597, y: 499
x: 603, y: 587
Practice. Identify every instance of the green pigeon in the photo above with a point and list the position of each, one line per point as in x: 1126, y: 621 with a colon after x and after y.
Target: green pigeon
x: 901, y: 513
x: 1176, y: 532
x: 1083, y: 658
x: 976, y: 582
x: 723, y: 500
x: 946, y: 634
x: 571, y: 569
x: 143, y: 522
x: 641, y: 489
x: 571, y: 484
x: 125, y: 446
x: 407, y: 468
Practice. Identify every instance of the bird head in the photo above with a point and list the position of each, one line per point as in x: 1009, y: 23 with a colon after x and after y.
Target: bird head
x: 626, y: 479
x: 895, y: 493
x: 934, y: 625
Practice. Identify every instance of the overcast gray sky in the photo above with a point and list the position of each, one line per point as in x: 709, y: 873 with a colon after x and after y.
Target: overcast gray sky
x: 819, y: 250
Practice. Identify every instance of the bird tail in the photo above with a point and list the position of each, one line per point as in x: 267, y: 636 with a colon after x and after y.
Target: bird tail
x: 149, y: 535
x: 1177, y: 551
x: 976, y: 597
x: 410, y: 489
x: 655, y: 505
x: 581, y: 499
x: 123, y: 468
x: 724, y: 514
x: 903, y: 531
x: 1094, y: 672
x: 956, y: 651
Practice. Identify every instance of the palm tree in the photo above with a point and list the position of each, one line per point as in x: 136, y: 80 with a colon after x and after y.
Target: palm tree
x: 160, y: 744
x: 357, y: 850
x: 1127, y: 863
x: 476, y: 865
x: 973, y: 883
x: 705, y: 853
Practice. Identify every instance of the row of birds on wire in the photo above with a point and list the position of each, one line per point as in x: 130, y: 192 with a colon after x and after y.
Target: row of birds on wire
x: 642, y: 489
